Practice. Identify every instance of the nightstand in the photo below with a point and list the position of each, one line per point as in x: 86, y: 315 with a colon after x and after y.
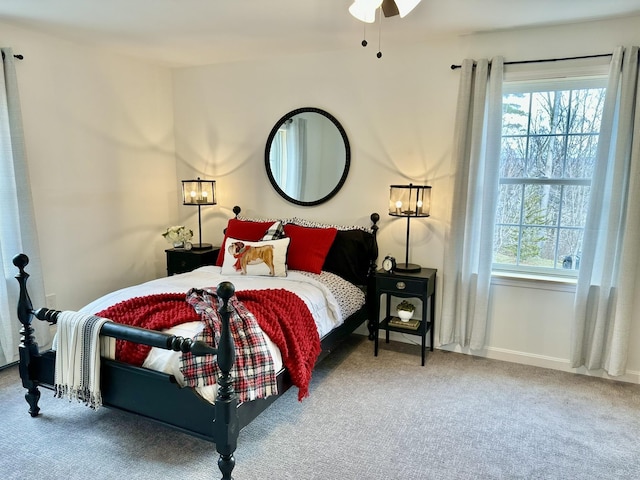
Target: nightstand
x: 421, y: 285
x: 180, y: 260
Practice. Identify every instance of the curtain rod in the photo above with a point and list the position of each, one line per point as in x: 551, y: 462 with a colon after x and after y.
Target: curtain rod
x: 18, y: 56
x: 454, y: 67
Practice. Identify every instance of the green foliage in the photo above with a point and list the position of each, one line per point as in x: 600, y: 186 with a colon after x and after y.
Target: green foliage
x: 406, y: 306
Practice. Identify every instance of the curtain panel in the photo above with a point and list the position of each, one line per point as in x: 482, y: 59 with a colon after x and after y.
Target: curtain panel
x: 603, y: 312
x: 17, y: 220
x: 469, y: 236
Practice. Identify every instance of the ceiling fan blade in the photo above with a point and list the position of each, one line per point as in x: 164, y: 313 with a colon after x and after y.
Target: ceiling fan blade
x: 389, y: 8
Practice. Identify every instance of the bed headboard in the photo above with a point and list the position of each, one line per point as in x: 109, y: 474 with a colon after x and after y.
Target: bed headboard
x: 352, y: 254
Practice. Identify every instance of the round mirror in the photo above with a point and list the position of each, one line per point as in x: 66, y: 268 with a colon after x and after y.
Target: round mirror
x: 307, y: 156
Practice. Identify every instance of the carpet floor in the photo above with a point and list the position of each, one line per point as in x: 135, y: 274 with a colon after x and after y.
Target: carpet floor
x: 458, y: 417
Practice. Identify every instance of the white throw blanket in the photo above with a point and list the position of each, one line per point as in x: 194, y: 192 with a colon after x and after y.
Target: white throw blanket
x: 78, y: 347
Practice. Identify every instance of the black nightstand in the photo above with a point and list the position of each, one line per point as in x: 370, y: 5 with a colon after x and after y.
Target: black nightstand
x: 180, y: 260
x: 420, y: 285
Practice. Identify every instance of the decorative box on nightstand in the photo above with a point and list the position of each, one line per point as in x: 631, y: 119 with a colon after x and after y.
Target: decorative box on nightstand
x: 180, y: 260
x: 421, y: 285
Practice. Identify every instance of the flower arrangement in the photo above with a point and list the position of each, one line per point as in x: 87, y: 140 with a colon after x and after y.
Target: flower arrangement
x: 177, y: 235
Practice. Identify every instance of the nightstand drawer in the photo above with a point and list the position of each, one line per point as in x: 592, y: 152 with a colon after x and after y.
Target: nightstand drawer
x: 181, y: 261
x: 185, y: 262
x: 401, y: 285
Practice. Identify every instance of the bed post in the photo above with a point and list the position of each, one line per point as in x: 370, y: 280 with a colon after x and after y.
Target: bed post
x: 28, y: 348
x: 375, y: 218
x: 226, y: 423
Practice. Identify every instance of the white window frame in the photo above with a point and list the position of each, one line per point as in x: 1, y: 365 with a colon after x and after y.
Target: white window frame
x: 529, y: 82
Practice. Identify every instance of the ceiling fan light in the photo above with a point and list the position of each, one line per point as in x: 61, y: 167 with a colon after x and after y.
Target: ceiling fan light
x: 405, y: 6
x: 365, y: 10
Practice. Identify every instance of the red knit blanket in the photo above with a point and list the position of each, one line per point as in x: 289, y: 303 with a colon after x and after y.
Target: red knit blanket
x: 286, y: 319
x: 281, y: 314
x: 155, y: 312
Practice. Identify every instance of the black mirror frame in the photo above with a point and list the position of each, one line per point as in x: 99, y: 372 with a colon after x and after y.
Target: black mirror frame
x: 347, y: 163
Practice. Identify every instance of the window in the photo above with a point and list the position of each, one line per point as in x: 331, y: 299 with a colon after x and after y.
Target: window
x: 550, y: 133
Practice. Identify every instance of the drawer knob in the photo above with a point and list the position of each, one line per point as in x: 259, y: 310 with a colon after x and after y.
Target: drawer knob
x: 401, y: 285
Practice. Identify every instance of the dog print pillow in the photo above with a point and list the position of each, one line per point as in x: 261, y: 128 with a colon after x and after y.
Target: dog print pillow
x: 268, y: 258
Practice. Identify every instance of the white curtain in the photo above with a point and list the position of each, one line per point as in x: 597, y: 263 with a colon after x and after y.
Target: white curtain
x: 17, y: 223
x: 277, y: 157
x: 288, y: 157
x: 469, y: 237
x: 609, y: 265
x: 297, y: 156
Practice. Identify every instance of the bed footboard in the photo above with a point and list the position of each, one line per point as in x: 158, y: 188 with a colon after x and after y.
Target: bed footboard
x: 225, y: 426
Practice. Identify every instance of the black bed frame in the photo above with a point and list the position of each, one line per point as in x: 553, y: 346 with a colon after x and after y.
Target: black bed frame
x: 154, y: 395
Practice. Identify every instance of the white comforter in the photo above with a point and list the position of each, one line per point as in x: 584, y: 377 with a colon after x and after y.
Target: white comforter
x: 319, y: 298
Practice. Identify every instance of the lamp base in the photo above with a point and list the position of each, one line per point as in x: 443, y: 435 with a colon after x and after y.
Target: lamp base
x: 405, y: 267
x: 201, y: 246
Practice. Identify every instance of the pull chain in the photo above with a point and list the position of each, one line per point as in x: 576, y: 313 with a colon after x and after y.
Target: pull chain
x: 379, y: 54
x: 364, y: 34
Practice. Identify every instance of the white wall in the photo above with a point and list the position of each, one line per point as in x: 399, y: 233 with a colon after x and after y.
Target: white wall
x: 99, y: 141
x: 398, y: 113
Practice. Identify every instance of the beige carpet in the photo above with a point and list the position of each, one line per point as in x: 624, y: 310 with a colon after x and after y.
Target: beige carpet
x: 459, y: 417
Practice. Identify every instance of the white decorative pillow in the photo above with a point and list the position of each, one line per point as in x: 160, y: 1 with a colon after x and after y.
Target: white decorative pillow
x: 267, y: 258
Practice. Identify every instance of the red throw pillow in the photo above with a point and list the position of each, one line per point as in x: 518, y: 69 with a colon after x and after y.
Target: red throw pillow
x: 308, y: 247
x: 242, y: 230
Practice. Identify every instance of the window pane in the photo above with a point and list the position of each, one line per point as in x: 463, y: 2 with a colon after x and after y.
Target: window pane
x: 575, y: 202
x: 586, y: 110
x: 541, y: 204
x: 538, y: 247
x: 515, y: 114
x: 546, y: 156
x: 581, y: 155
x: 509, y: 204
x: 549, y: 112
x: 505, y: 245
x: 514, y: 150
x: 569, y: 248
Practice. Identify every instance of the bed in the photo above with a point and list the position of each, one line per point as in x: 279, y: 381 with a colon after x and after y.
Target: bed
x: 321, y: 263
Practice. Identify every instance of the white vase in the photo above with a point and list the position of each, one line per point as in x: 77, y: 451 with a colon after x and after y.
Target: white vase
x: 404, y: 315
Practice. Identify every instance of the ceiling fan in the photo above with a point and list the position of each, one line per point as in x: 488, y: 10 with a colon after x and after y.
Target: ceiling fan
x: 365, y: 10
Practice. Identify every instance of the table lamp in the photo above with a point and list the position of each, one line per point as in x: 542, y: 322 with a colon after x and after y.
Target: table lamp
x: 198, y: 193
x: 409, y: 201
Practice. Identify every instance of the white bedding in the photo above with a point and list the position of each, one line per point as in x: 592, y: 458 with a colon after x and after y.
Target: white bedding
x: 329, y: 298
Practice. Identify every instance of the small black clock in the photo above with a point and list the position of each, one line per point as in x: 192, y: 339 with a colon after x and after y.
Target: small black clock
x: 389, y: 263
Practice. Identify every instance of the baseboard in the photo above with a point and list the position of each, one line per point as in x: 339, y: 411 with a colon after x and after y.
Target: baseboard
x: 543, y: 361
x: 523, y: 358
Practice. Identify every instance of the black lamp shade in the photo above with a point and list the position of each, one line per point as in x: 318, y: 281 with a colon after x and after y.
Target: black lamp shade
x: 409, y: 201
x: 198, y: 193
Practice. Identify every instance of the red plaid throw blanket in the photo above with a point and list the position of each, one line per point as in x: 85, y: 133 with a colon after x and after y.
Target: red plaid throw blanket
x: 253, y: 370
x: 282, y: 315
